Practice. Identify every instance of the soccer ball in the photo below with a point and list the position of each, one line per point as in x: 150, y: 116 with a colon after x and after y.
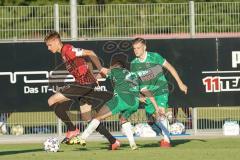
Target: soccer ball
x: 17, y: 130
x: 177, y: 128
x: 51, y: 145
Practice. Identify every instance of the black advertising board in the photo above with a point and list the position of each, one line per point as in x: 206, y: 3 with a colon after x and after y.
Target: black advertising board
x: 189, y: 57
x: 21, y: 66
x: 228, y: 74
x: 25, y: 68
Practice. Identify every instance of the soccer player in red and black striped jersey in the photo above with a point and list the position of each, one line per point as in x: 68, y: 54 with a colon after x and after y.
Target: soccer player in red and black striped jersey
x: 76, y: 62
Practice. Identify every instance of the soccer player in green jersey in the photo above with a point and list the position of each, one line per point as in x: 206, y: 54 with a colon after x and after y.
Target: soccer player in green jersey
x: 149, y: 67
x: 125, y: 101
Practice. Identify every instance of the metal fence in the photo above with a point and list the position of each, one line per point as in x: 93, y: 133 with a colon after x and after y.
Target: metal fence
x: 200, y: 120
x: 158, y: 20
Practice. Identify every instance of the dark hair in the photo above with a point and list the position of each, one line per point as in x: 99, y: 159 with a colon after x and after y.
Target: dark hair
x: 118, y: 63
x: 51, y: 35
x: 139, y: 40
x: 119, y: 59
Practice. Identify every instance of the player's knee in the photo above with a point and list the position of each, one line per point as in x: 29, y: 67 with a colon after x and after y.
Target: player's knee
x: 86, y: 117
x: 122, y: 120
x: 51, y: 101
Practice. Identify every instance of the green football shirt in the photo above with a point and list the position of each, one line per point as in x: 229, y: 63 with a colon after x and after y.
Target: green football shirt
x: 126, y: 92
x: 124, y: 81
x: 150, y: 72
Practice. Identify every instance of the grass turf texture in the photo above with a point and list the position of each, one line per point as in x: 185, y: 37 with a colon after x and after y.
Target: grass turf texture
x: 197, y: 149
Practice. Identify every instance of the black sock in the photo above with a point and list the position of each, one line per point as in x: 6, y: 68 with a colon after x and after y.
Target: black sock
x: 60, y: 110
x: 103, y: 131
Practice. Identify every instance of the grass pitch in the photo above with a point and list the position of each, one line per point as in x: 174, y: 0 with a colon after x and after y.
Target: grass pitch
x: 187, y: 149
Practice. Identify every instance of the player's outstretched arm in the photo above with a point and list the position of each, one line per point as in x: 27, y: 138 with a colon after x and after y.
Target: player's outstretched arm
x: 174, y: 73
x: 95, y: 60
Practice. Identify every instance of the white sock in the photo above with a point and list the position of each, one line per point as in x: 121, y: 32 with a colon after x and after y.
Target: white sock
x: 90, y: 128
x: 127, y: 129
x: 163, y: 124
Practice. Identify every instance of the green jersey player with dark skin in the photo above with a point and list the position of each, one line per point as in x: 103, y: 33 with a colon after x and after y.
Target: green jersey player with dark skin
x: 125, y: 101
x: 149, y: 67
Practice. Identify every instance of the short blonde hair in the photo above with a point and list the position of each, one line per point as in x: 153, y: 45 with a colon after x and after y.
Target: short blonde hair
x: 139, y: 40
x: 51, y: 35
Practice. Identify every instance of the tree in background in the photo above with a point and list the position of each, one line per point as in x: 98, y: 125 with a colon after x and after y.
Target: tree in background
x: 89, y: 2
x: 31, y: 2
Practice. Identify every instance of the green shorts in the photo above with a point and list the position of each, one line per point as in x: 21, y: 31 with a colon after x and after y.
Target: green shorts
x: 162, y: 101
x: 125, y: 104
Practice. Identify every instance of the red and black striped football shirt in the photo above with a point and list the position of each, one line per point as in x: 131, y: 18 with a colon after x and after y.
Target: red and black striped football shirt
x: 77, y: 66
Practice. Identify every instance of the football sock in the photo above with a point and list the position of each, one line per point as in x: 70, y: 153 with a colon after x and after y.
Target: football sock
x: 90, y: 128
x: 103, y: 131
x: 163, y: 124
x: 60, y: 110
x: 126, y: 127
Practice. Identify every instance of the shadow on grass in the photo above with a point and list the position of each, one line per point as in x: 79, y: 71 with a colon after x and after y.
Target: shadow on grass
x: 183, y: 141
x: 101, y: 146
x: 84, y: 149
x: 174, y: 143
x: 2, y: 153
x: 149, y: 145
x: 125, y: 145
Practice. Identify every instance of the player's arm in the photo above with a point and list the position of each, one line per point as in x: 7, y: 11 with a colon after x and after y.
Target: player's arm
x: 147, y: 93
x: 100, y: 75
x: 174, y: 73
x: 94, y: 58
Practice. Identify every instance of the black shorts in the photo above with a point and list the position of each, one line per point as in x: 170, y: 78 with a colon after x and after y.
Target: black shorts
x: 86, y: 94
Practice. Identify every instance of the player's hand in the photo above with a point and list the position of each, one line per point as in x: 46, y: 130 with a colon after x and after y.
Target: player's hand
x: 98, y: 76
x: 103, y: 71
x: 183, y: 88
x: 160, y: 111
